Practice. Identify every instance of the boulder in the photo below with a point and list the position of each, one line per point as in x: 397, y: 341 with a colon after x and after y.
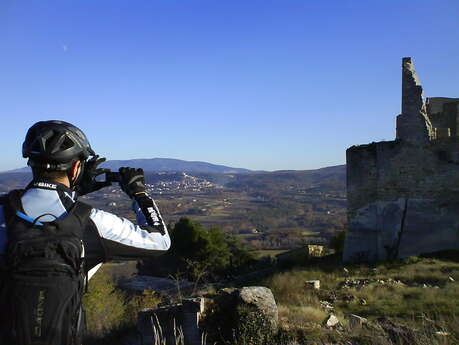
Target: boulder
x: 261, y: 299
x: 248, y: 313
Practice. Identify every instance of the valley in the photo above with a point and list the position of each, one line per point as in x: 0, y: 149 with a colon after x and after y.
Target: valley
x: 267, y: 210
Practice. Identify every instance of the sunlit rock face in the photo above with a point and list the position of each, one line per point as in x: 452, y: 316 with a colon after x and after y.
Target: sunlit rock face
x: 403, y: 195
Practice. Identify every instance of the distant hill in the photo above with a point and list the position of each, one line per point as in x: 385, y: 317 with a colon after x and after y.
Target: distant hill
x: 14, y: 180
x: 169, y: 164
x: 324, y: 179
x: 163, y: 164
x: 328, y: 178
x: 20, y: 170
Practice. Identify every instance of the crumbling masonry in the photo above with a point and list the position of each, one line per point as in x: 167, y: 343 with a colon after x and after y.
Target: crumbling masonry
x: 403, y: 195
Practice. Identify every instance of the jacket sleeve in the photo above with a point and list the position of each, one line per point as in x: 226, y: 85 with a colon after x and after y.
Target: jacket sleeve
x: 122, y: 239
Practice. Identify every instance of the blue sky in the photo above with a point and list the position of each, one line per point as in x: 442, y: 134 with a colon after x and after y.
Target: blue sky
x: 259, y: 84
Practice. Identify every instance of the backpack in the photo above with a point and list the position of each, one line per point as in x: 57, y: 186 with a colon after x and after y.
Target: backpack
x: 44, y: 277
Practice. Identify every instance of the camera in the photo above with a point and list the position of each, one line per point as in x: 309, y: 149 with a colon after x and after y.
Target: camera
x: 112, y: 176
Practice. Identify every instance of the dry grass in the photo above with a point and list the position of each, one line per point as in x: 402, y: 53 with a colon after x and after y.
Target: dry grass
x: 417, y: 312
x: 398, y: 314
x: 403, y: 302
x: 290, y: 288
x: 300, y: 317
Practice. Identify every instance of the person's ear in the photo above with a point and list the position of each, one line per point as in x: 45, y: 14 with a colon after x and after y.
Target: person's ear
x: 75, y: 170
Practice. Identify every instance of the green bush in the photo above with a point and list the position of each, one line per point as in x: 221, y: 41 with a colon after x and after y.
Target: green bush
x: 191, y: 241
x: 111, y: 313
x: 199, y: 252
x: 104, y: 305
x: 337, y: 242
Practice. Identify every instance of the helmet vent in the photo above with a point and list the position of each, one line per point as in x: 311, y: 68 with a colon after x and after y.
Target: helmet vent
x: 67, y: 144
x: 36, y: 147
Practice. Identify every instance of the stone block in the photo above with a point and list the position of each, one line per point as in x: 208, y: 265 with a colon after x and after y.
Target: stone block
x: 313, y: 284
x: 355, y: 321
x: 331, y: 321
x: 315, y: 250
x: 167, y: 321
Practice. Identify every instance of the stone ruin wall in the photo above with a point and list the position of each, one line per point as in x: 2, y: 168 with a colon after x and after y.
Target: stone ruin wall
x: 403, y: 195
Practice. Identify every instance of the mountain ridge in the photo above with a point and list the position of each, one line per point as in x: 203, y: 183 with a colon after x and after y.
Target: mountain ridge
x: 172, y: 164
x: 161, y: 164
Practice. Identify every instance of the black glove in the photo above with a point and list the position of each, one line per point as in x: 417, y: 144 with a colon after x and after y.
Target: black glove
x: 151, y: 213
x: 88, y: 183
x: 132, y: 181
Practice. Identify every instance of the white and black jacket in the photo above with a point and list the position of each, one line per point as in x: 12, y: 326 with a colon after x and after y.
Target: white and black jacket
x: 106, y: 236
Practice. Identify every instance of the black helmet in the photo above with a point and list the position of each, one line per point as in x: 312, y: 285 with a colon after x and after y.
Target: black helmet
x: 55, y: 145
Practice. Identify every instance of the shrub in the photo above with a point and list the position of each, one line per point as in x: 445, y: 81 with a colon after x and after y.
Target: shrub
x: 110, y: 313
x: 207, y: 249
x: 104, y: 305
x: 134, y: 304
x: 337, y: 242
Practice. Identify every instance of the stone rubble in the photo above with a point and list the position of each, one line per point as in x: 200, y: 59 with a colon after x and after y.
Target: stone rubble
x: 355, y: 321
x: 326, y: 305
x: 361, y: 283
x: 331, y: 321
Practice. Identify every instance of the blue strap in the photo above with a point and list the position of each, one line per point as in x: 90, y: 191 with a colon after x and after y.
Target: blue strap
x: 27, y: 218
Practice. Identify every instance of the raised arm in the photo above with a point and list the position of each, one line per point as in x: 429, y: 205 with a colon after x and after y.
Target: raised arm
x: 122, y: 238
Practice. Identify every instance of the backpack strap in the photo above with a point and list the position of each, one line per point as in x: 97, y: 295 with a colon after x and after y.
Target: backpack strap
x: 76, y: 219
x: 15, y: 199
x: 11, y: 204
x: 4, y: 203
x: 82, y: 211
